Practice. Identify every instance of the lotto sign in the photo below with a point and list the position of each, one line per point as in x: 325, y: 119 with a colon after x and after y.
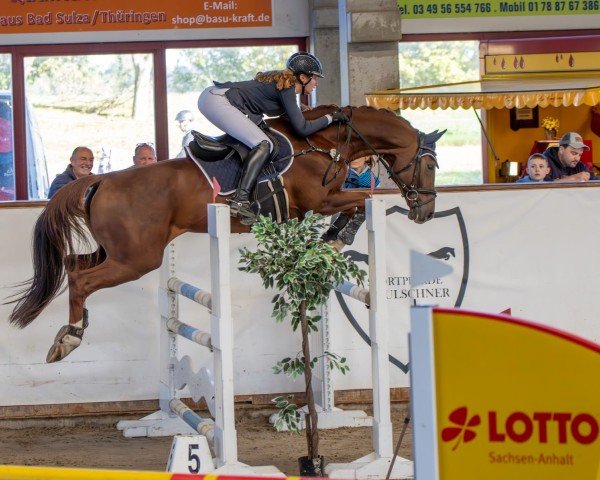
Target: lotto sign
x: 496, y: 398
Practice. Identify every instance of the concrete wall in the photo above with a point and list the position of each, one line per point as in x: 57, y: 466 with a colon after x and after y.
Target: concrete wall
x: 357, y: 41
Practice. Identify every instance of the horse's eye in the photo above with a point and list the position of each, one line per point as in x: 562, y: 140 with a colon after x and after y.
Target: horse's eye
x: 431, y: 167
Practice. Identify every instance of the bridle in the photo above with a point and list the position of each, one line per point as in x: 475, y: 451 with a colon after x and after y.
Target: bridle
x: 412, y: 192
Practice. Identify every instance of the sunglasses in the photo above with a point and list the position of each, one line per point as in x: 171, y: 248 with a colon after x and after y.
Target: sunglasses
x: 145, y: 144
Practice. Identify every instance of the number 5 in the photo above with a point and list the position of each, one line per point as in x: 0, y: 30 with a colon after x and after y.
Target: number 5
x: 193, y: 457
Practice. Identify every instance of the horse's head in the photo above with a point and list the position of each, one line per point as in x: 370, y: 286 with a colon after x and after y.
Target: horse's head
x: 408, y: 155
x: 417, y: 178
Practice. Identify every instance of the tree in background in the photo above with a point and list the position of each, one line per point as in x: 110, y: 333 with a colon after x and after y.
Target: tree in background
x: 101, y: 84
x: 196, y: 68
x: 431, y: 63
x: 5, y: 76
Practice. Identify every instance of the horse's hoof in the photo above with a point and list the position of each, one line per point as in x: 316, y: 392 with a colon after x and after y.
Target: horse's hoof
x: 67, y: 339
x: 337, y: 244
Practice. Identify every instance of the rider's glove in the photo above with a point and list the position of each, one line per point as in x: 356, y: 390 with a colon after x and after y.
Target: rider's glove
x: 340, y: 117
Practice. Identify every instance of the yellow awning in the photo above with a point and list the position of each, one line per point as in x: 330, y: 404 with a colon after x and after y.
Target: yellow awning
x: 491, y: 93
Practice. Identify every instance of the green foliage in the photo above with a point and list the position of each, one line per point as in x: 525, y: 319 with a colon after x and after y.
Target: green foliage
x: 431, y: 63
x: 288, y: 416
x: 294, y: 367
x: 5, y: 76
x: 196, y: 68
x: 71, y: 82
x: 292, y: 258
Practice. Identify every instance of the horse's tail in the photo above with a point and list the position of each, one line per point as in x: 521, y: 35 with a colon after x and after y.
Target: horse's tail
x: 63, y: 219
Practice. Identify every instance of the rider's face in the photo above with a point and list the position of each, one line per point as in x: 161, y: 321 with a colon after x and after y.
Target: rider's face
x: 308, y: 87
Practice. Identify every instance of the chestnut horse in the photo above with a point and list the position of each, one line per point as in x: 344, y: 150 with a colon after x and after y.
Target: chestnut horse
x: 133, y: 214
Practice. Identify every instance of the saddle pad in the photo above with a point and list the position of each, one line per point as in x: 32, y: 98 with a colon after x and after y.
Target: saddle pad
x: 229, y: 171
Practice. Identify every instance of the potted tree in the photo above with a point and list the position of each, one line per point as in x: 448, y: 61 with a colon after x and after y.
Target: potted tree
x: 292, y: 259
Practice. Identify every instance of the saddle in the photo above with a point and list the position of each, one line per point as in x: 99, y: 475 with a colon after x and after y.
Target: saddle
x: 222, y: 158
x: 213, y: 149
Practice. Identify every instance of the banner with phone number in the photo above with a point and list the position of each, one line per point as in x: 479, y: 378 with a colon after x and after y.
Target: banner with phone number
x: 494, y: 8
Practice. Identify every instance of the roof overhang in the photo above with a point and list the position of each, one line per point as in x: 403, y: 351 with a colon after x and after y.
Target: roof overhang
x: 491, y: 93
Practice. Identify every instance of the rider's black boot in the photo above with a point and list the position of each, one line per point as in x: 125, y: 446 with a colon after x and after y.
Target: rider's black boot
x: 240, y: 201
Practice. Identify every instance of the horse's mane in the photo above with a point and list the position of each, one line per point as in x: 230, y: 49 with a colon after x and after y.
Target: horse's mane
x: 321, y: 110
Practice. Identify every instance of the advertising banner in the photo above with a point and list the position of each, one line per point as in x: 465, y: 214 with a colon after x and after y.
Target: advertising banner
x: 510, y: 398
x: 31, y: 16
x: 495, y: 8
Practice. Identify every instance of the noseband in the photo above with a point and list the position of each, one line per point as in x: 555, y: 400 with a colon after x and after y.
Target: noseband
x: 413, y: 192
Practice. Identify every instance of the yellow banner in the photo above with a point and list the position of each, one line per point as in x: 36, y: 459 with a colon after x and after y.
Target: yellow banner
x: 42, y: 16
x: 494, y: 8
x: 514, y: 400
x: 542, y: 62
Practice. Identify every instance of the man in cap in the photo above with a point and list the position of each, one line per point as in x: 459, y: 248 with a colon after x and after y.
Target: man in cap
x: 185, y: 118
x: 565, y: 160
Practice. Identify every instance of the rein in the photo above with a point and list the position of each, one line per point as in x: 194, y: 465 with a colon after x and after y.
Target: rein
x: 411, y: 192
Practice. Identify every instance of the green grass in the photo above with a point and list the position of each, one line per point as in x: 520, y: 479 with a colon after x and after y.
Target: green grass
x: 458, y: 178
x: 461, y: 125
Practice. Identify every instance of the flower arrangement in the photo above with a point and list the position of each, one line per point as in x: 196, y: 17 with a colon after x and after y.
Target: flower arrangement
x: 550, y: 123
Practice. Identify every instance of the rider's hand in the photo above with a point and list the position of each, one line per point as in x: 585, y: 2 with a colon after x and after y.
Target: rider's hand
x: 340, y: 117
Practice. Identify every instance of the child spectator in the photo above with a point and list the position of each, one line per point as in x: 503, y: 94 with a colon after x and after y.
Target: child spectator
x: 359, y: 174
x: 537, y: 169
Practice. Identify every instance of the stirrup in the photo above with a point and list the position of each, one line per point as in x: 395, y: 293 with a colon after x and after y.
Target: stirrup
x: 243, y: 211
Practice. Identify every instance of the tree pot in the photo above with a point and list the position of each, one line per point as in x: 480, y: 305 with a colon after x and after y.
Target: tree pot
x: 312, y: 467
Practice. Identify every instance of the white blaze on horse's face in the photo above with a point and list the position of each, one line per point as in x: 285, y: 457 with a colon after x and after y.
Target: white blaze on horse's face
x: 422, y: 205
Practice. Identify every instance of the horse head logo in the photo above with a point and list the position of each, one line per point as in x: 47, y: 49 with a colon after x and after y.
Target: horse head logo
x: 443, y: 238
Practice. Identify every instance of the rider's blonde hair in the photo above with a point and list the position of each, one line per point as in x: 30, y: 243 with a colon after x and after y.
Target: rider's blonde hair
x: 281, y: 78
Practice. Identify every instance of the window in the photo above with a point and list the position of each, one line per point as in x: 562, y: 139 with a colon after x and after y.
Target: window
x: 104, y: 102
x: 7, y: 158
x: 191, y: 70
x: 433, y: 63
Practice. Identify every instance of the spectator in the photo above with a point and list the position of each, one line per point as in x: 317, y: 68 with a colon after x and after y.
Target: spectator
x: 185, y: 119
x: 82, y: 162
x: 144, y: 154
x: 359, y: 174
x: 565, y: 160
x: 537, y: 169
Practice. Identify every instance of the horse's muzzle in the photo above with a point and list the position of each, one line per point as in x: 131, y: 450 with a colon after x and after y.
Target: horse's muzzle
x: 422, y: 213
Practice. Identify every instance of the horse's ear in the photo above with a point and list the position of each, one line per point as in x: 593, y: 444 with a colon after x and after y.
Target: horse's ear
x: 432, y: 137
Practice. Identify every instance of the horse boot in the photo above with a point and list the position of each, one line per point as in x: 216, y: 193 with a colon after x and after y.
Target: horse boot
x: 240, y: 201
x: 334, y: 229
x: 349, y: 231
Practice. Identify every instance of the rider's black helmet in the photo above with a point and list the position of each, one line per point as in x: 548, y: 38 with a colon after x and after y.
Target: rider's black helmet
x: 304, y: 62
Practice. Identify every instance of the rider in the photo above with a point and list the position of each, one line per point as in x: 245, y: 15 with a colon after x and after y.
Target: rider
x: 237, y: 108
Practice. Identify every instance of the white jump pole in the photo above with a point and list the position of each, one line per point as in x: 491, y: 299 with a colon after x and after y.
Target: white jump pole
x: 376, y: 464
x: 174, y: 417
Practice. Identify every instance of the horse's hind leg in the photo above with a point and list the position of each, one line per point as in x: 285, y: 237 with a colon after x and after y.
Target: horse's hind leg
x: 83, y: 261
x: 83, y: 283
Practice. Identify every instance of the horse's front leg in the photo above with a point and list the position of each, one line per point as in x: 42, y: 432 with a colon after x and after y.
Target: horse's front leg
x: 351, y: 206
